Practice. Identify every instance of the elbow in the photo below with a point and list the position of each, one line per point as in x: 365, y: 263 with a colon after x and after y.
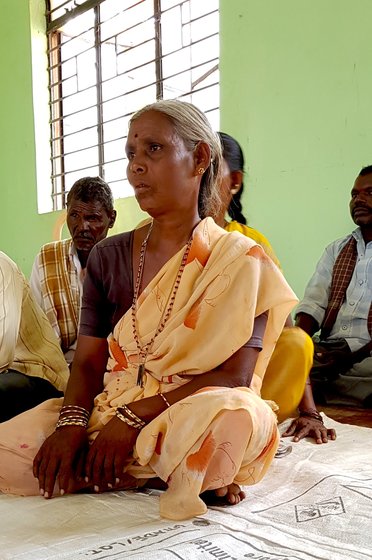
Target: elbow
x: 234, y: 378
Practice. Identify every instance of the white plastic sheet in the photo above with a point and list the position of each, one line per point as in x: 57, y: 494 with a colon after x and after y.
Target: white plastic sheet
x: 314, y: 503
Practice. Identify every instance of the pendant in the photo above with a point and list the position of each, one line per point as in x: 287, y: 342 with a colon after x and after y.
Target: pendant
x: 141, y: 371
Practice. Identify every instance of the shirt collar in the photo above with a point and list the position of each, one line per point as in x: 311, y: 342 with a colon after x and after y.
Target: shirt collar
x: 357, y: 234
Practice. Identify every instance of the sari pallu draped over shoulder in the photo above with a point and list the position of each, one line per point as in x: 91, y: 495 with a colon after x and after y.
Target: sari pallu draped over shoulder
x: 228, y: 281
x: 213, y: 437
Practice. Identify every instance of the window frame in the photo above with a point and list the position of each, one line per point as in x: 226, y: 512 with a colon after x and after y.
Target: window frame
x: 56, y: 95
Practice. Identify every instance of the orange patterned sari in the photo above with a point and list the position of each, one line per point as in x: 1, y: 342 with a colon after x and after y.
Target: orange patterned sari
x: 217, y: 435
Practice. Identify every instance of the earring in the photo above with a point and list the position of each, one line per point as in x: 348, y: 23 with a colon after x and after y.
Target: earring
x: 235, y: 189
x: 201, y: 170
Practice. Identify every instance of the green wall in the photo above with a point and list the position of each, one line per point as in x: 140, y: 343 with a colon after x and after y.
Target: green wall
x: 22, y: 229
x: 296, y: 91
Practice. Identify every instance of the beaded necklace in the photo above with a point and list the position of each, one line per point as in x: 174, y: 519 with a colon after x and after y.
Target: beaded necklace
x: 143, y: 351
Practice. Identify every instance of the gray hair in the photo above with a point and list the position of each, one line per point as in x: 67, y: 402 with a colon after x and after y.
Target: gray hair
x: 92, y: 189
x: 193, y: 127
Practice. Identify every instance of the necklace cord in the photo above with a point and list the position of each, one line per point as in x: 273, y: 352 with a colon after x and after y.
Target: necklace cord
x: 144, y: 350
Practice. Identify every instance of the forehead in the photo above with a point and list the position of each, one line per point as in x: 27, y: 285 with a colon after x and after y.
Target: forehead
x: 150, y: 123
x: 91, y: 207
x: 363, y: 182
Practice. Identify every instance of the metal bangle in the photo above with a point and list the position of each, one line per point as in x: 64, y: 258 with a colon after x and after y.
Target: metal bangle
x: 128, y: 421
x: 71, y: 422
x: 132, y: 415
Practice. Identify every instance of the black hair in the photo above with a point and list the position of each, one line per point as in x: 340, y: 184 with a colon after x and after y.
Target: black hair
x: 233, y: 155
x: 92, y: 189
x: 366, y: 171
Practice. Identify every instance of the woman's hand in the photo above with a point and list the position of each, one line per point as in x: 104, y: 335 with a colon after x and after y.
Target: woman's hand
x: 303, y: 426
x: 61, y: 457
x: 108, y: 454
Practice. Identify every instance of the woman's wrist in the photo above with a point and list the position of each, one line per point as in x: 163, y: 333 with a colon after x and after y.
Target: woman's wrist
x: 310, y: 413
x: 73, y: 415
x: 149, y: 408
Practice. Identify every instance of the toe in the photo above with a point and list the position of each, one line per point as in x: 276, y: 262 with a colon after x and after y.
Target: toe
x: 221, y: 492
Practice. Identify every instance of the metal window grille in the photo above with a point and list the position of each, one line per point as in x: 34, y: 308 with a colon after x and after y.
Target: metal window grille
x: 108, y: 58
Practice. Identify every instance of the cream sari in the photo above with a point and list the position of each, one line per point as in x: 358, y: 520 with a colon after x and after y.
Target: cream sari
x: 215, y: 436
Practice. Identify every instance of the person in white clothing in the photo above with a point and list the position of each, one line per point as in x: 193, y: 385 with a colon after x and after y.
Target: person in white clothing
x: 32, y: 366
x: 338, y: 302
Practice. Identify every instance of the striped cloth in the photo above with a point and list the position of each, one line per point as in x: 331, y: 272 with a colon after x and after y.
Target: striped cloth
x: 342, y: 273
x: 60, y: 292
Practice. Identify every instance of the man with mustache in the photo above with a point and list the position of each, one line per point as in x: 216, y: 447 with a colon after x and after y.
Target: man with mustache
x: 338, y: 302
x: 59, y: 269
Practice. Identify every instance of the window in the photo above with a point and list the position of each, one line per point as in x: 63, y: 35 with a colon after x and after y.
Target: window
x: 108, y: 58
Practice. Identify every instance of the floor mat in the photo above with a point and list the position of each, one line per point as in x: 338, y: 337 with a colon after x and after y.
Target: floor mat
x: 315, y: 503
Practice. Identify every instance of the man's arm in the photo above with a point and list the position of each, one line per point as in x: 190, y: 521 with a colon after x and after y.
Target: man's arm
x: 307, y: 323
x: 362, y: 353
x: 310, y: 325
x: 35, y: 284
x: 316, y: 296
x: 11, y: 292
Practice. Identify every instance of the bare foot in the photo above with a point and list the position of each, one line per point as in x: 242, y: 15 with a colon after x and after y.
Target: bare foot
x: 227, y: 495
x: 232, y: 493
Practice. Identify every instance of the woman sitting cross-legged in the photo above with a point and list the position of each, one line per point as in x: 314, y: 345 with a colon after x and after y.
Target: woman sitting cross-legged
x: 193, y: 312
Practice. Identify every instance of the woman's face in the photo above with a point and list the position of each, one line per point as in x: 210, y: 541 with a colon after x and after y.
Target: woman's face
x: 162, y: 171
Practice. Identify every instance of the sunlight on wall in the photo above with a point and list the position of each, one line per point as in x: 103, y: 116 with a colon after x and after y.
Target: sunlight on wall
x: 40, y: 103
